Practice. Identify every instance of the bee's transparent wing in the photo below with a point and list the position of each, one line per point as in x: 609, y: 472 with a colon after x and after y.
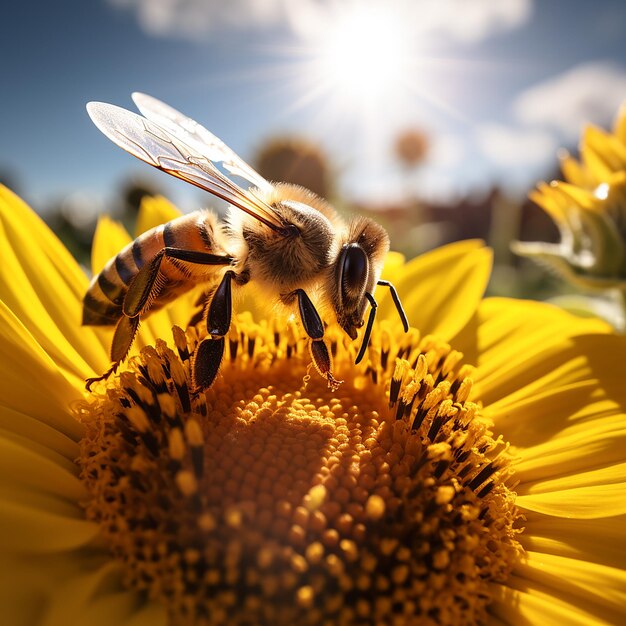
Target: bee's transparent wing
x: 198, y: 137
x: 156, y: 146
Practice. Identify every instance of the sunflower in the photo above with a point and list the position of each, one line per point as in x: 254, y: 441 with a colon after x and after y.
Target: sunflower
x: 589, y: 209
x: 423, y: 491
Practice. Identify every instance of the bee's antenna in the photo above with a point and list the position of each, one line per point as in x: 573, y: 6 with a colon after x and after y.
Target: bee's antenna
x: 368, y: 328
x: 396, y: 301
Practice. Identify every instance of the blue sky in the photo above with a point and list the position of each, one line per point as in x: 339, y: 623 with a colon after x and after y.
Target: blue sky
x: 499, y: 86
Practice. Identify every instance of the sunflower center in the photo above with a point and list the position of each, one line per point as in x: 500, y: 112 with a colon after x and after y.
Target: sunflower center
x: 272, y: 500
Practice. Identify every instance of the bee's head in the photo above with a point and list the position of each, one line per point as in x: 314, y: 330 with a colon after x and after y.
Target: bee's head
x: 356, y: 272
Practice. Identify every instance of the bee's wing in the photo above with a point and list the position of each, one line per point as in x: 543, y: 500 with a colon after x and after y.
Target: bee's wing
x: 198, y: 137
x: 157, y: 146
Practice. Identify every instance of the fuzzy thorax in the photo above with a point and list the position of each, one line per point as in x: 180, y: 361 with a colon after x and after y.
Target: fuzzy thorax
x: 278, y: 264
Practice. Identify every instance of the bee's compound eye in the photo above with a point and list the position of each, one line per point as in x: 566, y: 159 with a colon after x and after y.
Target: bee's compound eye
x: 354, y: 271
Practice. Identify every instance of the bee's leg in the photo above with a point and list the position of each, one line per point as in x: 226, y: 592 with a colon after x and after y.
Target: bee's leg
x: 368, y: 328
x: 242, y: 278
x: 396, y: 300
x: 144, y: 287
x: 208, y: 357
x: 372, y: 316
x: 197, y: 257
x: 315, y: 330
x: 201, y: 304
x: 125, y: 332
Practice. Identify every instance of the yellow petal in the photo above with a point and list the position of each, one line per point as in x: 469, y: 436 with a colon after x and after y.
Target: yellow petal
x: 599, y: 589
x: 519, y: 344
x: 523, y: 602
x: 581, y: 502
x: 28, y: 581
x: 589, y: 435
x: 96, y: 597
x: 111, y: 608
x: 23, y: 224
x: 394, y: 264
x: 152, y: 614
x: 38, y: 432
x: 31, y: 466
x: 577, y: 362
x: 441, y: 290
x: 610, y: 149
x: 47, y: 524
x: 108, y: 239
x: 154, y: 210
x: 30, y: 382
x: 612, y: 474
x: 43, y: 289
x: 596, y: 540
x: 531, y: 419
x: 574, y: 173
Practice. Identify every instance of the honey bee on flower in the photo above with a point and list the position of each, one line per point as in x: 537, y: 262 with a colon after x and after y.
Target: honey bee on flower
x: 283, y: 237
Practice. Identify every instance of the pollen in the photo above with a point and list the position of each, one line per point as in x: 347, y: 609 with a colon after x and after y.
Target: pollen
x: 271, y: 499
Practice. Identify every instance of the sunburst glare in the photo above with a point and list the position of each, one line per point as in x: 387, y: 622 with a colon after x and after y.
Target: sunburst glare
x: 364, y: 53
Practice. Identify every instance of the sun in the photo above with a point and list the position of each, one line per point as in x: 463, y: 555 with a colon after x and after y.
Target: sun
x: 364, y: 52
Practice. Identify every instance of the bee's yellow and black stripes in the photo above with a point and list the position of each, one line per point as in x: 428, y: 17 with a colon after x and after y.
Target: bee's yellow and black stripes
x: 102, y: 304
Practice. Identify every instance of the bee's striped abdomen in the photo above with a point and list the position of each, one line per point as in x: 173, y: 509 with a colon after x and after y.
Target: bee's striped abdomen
x: 102, y: 304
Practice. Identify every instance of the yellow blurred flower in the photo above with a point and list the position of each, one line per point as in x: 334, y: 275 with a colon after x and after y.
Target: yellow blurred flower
x: 589, y: 208
x: 423, y: 492
x: 602, y: 154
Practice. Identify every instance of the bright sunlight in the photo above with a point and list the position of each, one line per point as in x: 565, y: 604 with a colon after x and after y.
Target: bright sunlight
x: 364, y: 53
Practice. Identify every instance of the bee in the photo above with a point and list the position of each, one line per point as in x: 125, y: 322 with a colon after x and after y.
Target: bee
x: 288, y: 241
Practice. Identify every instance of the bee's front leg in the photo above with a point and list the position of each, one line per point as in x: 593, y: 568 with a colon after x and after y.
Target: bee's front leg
x: 315, y: 330
x: 208, y: 357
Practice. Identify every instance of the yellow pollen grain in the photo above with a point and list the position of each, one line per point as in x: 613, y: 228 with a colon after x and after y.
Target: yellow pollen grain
x: 441, y: 559
x: 445, y: 493
x: 186, y: 482
x: 375, y: 507
x: 144, y: 394
x: 177, y: 372
x: 154, y: 365
x: 176, y: 444
x: 305, y: 596
x: 137, y: 417
x: 451, y: 361
x: 207, y: 522
x: 271, y: 499
x: 179, y: 338
x: 315, y: 498
x: 401, y: 370
x: 193, y: 432
x: 167, y: 403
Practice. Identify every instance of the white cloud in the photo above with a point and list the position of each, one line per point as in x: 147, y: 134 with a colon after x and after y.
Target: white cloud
x: 193, y: 19
x: 474, y: 20
x: 588, y: 93
x: 462, y: 20
x: 511, y: 147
